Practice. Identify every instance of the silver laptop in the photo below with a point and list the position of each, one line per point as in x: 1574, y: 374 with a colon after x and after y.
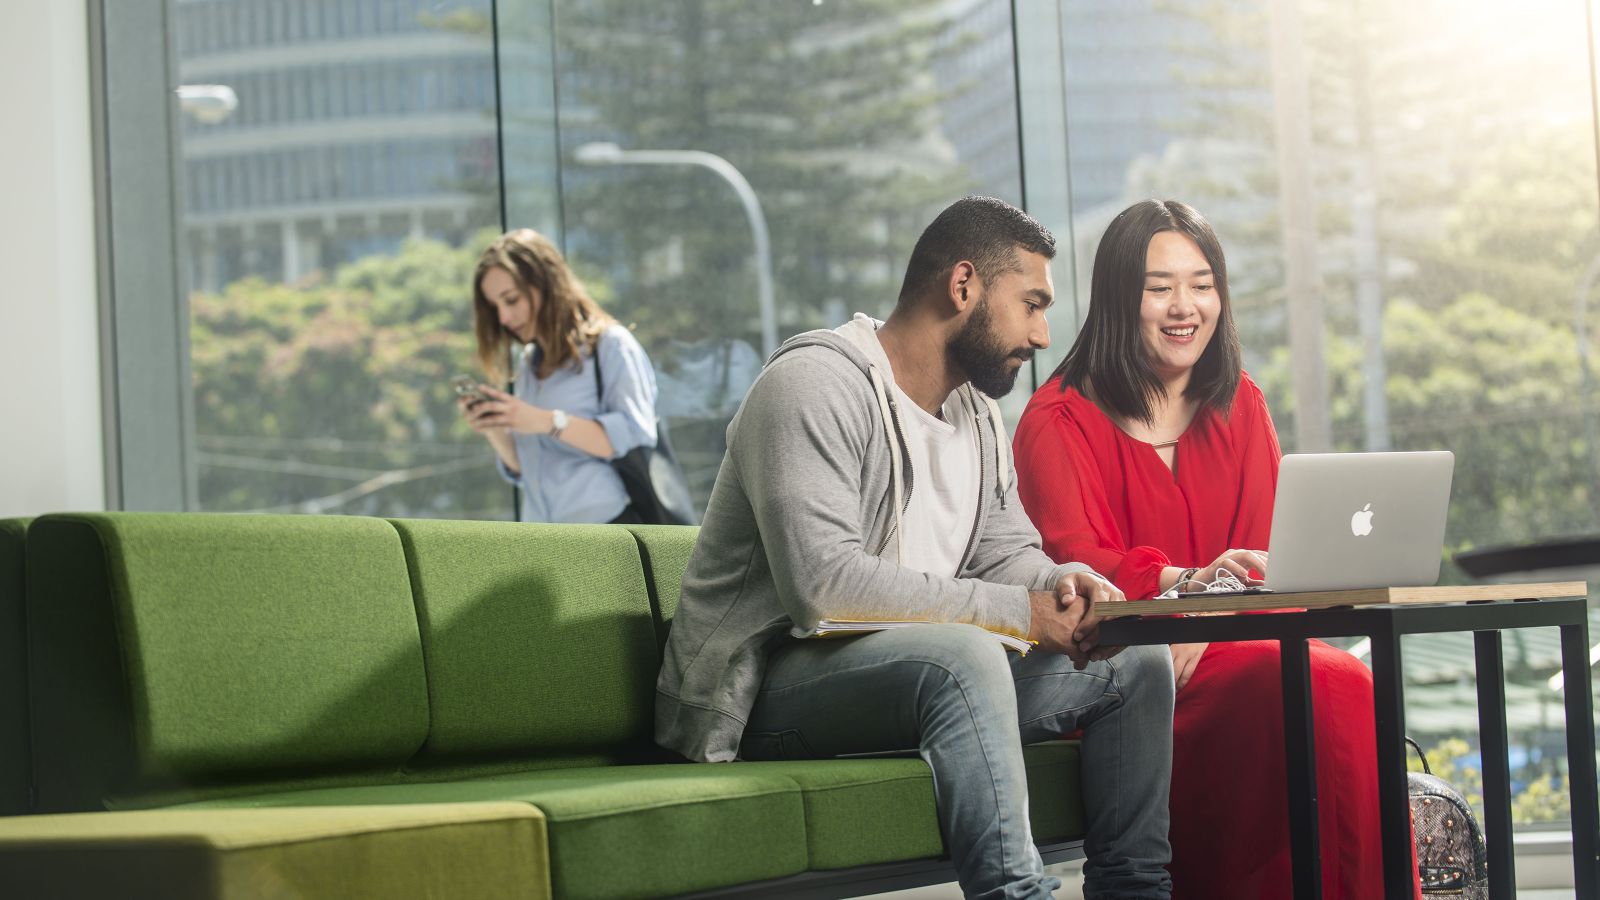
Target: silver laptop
x: 1358, y: 520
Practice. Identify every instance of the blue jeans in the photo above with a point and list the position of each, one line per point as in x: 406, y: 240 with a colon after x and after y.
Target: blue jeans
x: 951, y: 693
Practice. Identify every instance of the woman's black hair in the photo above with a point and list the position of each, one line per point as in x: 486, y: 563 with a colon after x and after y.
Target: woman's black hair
x: 1108, y: 358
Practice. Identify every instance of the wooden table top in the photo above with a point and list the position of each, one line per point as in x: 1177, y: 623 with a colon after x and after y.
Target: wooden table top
x: 1471, y: 593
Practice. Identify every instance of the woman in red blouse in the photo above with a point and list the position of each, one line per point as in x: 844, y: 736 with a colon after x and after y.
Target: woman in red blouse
x: 1149, y: 452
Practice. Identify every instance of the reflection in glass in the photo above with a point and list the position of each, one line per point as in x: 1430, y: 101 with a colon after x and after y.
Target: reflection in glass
x: 329, y: 219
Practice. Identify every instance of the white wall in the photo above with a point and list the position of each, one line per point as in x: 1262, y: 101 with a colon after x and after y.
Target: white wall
x: 50, y: 414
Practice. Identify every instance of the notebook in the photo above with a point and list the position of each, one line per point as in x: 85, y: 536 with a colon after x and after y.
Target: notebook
x: 840, y: 627
x: 1344, y: 521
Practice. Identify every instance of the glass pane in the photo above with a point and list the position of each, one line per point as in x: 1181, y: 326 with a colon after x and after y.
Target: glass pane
x: 340, y: 171
x: 1443, y: 168
x: 691, y: 130
x: 528, y: 122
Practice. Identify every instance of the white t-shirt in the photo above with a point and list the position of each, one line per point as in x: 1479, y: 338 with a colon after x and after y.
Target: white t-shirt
x: 944, y: 490
x: 945, y: 475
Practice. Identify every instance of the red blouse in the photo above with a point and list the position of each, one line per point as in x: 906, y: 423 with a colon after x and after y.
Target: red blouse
x: 1103, y: 498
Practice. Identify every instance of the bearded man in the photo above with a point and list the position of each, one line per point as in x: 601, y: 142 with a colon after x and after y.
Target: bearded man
x: 868, y: 478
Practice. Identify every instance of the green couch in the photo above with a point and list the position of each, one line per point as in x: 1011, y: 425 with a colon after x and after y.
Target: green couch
x: 184, y: 664
x: 15, y: 766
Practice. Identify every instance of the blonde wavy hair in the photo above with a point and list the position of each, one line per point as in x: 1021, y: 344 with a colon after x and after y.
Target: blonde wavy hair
x: 569, y: 320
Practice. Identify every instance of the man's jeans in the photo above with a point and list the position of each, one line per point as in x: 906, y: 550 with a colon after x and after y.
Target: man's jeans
x: 951, y: 693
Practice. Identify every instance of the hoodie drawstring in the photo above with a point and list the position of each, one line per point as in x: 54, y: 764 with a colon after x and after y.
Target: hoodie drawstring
x: 1002, y: 474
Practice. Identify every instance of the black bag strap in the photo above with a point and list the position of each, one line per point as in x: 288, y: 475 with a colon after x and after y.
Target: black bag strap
x: 1420, y: 755
x: 599, y: 383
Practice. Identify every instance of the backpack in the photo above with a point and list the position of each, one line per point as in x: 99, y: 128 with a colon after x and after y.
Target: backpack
x: 1451, y: 856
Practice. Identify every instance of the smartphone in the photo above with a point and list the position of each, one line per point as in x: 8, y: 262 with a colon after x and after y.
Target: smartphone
x: 467, y: 386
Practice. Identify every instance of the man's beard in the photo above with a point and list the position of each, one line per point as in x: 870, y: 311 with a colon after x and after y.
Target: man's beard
x: 983, y: 357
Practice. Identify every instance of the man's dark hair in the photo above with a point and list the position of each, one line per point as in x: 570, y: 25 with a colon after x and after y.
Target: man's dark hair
x: 982, y: 230
x: 1109, y: 356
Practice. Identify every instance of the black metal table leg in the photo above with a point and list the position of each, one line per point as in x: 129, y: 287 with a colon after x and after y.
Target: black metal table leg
x: 1496, y: 764
x: 1300, y: 750
x: 1580, y: 759
x: 1394, y: 806
x: 1384, y: 625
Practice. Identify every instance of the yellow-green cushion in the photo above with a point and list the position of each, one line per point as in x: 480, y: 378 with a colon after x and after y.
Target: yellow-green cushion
x: 14, y: 767
x: 630, y: 831
x: 538, y: 639
x: 478, y: 850
x: 186, y: 652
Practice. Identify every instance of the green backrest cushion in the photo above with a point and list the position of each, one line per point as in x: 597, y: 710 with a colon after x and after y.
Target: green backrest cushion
x: 175, y: 650
x: 15, y: 775
x: 538, y: 639
x: 665, y: 550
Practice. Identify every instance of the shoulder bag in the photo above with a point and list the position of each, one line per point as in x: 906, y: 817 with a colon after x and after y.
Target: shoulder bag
x: 656, y: 486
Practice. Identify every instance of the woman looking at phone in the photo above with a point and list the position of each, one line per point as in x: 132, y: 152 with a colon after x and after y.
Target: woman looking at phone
x: 1150, y: 455
x: 556, y: 435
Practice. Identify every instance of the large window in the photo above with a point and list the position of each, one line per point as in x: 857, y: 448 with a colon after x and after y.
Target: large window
x: 728, y: 174
x: 1407, y: 197
x: 330, y: 220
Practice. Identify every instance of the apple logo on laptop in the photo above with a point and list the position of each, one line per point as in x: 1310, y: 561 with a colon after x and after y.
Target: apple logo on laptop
x: 1361, y: 522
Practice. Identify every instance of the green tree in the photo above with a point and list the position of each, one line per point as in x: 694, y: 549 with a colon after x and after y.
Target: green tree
x: 851, y: 122
x: 1544, y: 798
x: 831, y: 113
x: 1522, y: 224
x: 333, y: 396
x: 1444, y: 760
x: 1476, y: 151
x: 1493, y: 384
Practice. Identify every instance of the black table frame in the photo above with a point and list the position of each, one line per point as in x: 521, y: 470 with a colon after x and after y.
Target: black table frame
x: 1384, y: 625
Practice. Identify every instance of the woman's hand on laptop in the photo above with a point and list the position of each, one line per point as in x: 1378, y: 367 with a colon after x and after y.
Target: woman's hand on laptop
x: 1240, y: 562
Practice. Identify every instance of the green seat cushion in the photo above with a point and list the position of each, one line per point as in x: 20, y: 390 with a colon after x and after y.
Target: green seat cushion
x: 665, y: 550
x: 630, y: 831
x: 185, y: 652
x: 538, y: 639
x: 487, y: 850
x: 861, y: 811
x: 1055, y: 791
x: 15, y: 775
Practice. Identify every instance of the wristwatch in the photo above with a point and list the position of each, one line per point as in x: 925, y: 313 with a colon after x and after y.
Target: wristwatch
x: 558, y: 422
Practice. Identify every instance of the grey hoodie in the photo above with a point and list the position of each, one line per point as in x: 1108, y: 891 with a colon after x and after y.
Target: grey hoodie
x: 803, y: 525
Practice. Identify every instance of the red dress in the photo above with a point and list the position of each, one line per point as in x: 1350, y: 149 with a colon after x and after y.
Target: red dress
x: 1103, y: 498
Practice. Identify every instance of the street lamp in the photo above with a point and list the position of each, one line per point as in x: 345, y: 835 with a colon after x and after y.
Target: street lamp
x: 608, y: 154
x: 210, y: 103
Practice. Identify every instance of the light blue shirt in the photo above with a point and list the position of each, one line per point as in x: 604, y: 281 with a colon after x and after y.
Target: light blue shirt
x: 559, y: 482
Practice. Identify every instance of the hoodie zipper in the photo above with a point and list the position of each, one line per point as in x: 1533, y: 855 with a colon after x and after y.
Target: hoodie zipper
x: 905, y: 456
